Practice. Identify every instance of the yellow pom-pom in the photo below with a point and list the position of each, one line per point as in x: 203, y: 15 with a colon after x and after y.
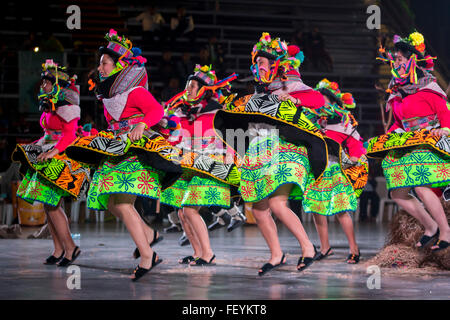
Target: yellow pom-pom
x: 416, y: 38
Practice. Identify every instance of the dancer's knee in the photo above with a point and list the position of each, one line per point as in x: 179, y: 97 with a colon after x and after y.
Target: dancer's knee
x: 189, y: 212
x: 400, y: 195
x: 261, y: 214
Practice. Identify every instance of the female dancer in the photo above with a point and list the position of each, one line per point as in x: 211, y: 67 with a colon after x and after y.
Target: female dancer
x: 415, y: 151
x: 132, y: 160
x: 276, y: 167
x: 209, y: 169
x: 49, y: 175
x: 346, y: 173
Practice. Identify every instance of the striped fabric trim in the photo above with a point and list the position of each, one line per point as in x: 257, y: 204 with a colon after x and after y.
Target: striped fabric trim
x: 119, y: 49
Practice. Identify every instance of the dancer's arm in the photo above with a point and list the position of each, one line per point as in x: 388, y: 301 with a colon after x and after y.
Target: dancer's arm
x: 144, y: 101
x: 68, y: 134
x: 309, y: 99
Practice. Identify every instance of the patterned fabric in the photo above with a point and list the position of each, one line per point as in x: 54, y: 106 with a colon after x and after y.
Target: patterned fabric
x: 292, y: 124
x: 35, y: 188
x: 356, y: 174
x: 414, y: 124
x: 121, y: 50
x: 60, y: 171
x: 197, y: 190
x: 379, y: 147
x: 271, y: 162
x: 123, y: 175
x: 202, y: 150
x: 207, y: 156
x: 52, y: 136
x: 419, y: 166
x: 153, y: 150
x: 332, y: 195
x: 126, y: 124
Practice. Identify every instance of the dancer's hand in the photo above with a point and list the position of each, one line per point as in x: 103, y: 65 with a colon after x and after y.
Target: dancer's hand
x: 137, y: 132
x: 439, y: 132
x: 287, y: 96
x: 47, y: 155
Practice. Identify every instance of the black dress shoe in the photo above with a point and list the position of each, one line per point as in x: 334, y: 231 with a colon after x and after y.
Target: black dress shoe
x: 186, y: 260
x: 319, y: 256
x: 354, y: 258
x: 307, y: 261
x: 53, y: 260
x: 202, y: 262
x: 66, y: 262
x: 425, y: 240
x: 441, y: 245
x: 137, y: 254
x: 268, y: 267
x: 139, y: 272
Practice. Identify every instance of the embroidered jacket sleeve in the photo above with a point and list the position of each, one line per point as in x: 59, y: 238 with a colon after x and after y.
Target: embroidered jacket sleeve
x: 68, y: 130
x: 309, y: 98
x: 68, y: 133
x: 396, y: 105
x: 142, y: 101
x: 439, y: 106
x: 355, y: 147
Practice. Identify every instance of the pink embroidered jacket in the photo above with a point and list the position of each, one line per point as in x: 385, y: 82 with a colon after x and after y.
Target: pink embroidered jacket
x: 421, y: 104
x: 51, y: 121
x: 140, y: 101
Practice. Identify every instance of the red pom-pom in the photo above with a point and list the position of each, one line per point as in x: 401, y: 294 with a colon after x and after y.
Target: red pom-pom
x: 429, y: 63
x: 347, y: 98
x: 293, y: 50
x: 334, y: 86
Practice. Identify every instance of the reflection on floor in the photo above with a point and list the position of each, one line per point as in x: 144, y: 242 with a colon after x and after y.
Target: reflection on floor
x: 106, y: 263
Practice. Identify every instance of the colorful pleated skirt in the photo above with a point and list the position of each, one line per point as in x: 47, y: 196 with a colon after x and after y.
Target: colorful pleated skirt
x: 269, y: 163
x: 48, y: 182
x: 331, y: 195
x: 197, y: 190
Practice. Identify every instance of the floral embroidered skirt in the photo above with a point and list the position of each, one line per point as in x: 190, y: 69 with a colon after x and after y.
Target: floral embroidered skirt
x: 332, y: 195
x: 269, y: 163
x: 152, y: 151
x: 49, y: 181
x: 36, y: 188
x: 419, y: 166
x: 194, y: 189
x: 123, y: 175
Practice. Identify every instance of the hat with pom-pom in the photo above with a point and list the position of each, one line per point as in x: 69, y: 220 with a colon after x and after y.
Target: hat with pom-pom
x: 117, y: 47
x: 346, y: 98
x: 413, y: 47
x: 204, y: 74
x: 279, y: 54
x: 55, y: 73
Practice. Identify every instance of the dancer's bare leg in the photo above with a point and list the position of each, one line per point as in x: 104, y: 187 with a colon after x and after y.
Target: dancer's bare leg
x: 58, y: 245
x: 279, y: 205
x: 61, y: 227
x: 268, y: 228
x: 123, y: 206
x: 434, y: 207
x: 200, y: 230
x: 415, y: 209
x: 190, y: 234
x: 347, y: 225
x: 321, y: 224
